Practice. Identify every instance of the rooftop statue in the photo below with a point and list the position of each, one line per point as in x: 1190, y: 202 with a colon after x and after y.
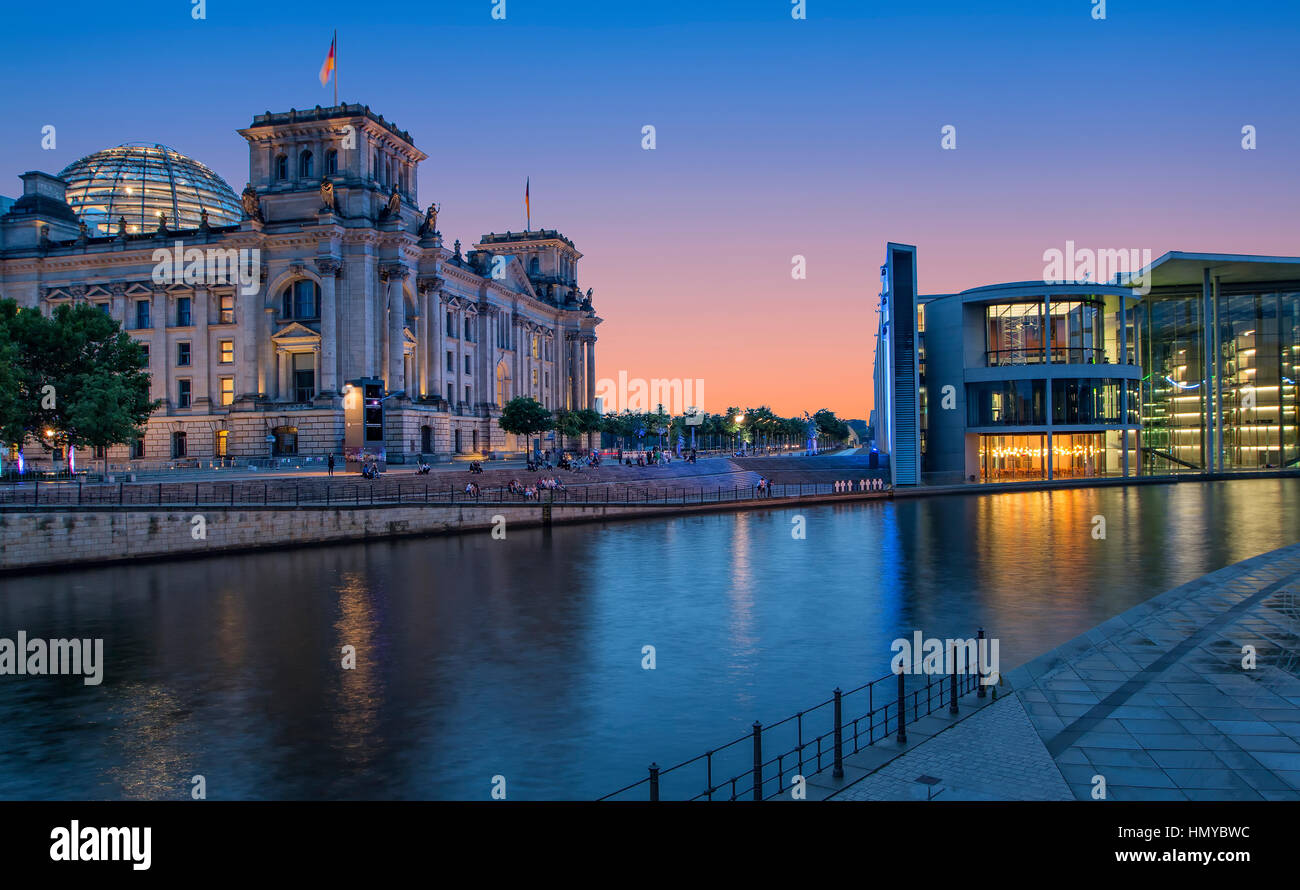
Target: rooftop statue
x: 430, y: 224
x: 252, y: 206
x: 327, y: 199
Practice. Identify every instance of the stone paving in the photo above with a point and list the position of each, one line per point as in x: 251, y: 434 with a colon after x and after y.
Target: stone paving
x: 993, y: 750
x: 1156, y: 701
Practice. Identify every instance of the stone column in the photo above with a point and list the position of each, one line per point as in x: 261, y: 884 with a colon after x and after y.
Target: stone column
x: 283, y: 362
x: 327, y: 382
x: 422, y: 336
x: 265, y: 358
x: 438, y: 343
x: 591, y: 373
x: 202, y: 387
x: 158, y: 348
x: 118, y: 306
x: 394, y: 274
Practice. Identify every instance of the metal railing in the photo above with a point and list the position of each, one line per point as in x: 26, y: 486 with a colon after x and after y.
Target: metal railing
x: 812, y: 740
x: 1073, y: 355
x: 326, y: 493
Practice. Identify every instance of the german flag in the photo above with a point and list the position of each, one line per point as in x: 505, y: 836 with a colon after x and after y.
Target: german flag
x: 328, y: 68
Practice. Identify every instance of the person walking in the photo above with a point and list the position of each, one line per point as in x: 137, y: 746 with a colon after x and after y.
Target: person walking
x: 329, y: 463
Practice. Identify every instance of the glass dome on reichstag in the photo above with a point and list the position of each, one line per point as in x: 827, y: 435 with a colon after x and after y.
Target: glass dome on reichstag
x: 139, y: 181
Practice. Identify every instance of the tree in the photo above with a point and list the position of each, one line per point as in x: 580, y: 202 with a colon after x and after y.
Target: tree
x: 569, y: 425
x: 13, y: 424
x: 525, y: 416
x: 76, y: 374
x: 589, y: 421
x: 101, y: 383
x: 830, y: 426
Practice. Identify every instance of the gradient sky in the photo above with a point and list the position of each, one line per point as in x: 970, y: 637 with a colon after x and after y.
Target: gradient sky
x: 776, y: 137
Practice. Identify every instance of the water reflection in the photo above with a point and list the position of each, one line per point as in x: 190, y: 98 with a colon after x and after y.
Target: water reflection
x: 522, y: 657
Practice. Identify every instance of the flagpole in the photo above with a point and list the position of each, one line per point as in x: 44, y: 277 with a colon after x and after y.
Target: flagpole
x: 336, y: 67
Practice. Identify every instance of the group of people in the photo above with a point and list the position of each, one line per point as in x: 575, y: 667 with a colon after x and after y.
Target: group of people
x: 655, y: 457
x: 531, y: 492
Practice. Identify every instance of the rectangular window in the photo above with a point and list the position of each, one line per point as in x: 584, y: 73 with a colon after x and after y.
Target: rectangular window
x: 451, y: 326
x: 142, y: 314
x: 227, y: 351
x: 451, y: 392
x: 223, y: 441
x: 137, y: 448
x: 183, y: 312
x: 451, y: 361
x: 227, y: 390
x: 145, y: 347
x: 182, y: 393
x: 304, y: 376
x: 468, y: 366
x: 534, y: 350
x: 183, y: 354
x: 467, y: 395
x: 105, y: 308
x: 468, y: 329
x: 227, y: 304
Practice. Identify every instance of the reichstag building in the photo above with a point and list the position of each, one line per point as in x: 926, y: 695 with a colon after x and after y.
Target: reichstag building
x: 320, y: 287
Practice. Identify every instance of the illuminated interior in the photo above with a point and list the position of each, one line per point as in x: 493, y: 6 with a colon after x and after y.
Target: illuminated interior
x: 137, y: 182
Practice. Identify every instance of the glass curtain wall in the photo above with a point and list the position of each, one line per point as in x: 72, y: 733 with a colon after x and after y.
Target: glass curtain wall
x: 1172, y: 346
x: 1257, y: 351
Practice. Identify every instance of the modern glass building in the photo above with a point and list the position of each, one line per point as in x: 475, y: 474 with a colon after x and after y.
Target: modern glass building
x: 1193, y: 372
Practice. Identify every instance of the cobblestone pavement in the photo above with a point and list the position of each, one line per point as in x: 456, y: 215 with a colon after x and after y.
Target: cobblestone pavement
x: 984, y: 757
x: 1158, y: 702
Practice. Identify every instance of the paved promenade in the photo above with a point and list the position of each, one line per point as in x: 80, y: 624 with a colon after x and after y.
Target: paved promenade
x: 1156, y: 702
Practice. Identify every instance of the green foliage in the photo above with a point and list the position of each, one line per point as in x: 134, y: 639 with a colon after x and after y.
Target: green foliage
x: 525, y: 416
x: 75, y: 372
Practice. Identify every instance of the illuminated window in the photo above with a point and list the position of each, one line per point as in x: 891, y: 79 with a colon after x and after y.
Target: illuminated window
x: 223, y: 439
x: 227, y: 351
x: 227, y: 304
x: 227, y: 390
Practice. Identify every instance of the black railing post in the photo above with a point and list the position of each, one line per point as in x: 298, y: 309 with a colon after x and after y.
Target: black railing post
x: 902, y: 710
x: 654, y: 781
x: 979, y: 665
x: 952, y: 684
x: 758, y: 760
x: 838, y: 772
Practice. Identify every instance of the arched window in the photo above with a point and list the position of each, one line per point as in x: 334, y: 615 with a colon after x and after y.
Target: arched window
x: 301, y: 299
x: 331, y: 162
x: 304, y: 165
x: 534, y: 266
x: 501, y: 385
x: 281, y: 167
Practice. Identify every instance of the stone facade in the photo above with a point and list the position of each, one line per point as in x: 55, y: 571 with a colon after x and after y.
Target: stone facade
x: 353, y: 281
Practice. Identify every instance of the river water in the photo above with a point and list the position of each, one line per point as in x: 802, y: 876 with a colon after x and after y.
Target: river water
x: 523, y: 658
